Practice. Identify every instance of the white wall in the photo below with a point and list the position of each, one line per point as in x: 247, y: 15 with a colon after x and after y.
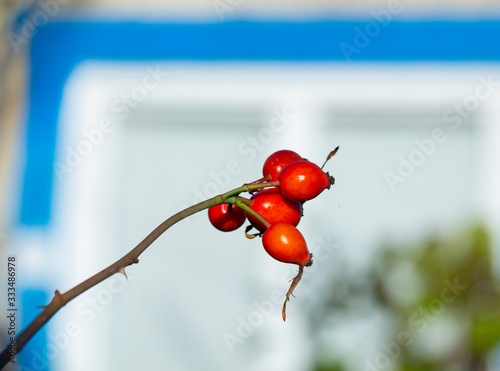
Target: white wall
x: 194, y: 284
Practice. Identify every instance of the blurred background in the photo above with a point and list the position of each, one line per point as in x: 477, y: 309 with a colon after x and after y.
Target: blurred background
x: 115, y: 115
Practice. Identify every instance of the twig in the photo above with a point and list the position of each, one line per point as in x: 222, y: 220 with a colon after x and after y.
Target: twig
x: 59, y: 300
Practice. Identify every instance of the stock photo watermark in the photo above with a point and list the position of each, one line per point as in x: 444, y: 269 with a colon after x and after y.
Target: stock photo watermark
x: 454, y: 115
x: 46, y: 9
x: 86, y: 312
x: 407, y: 165
x: 11, y: 306
x: 372, y: 29
x: 462, y: 110
x: 418, y: 322
x: 122, y: 107
x: 272, y: 304
x: 249, y: 149
x: 222, y: 7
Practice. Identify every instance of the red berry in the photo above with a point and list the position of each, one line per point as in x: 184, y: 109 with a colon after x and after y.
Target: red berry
x: 303, y: 180
x: 277, y: 161
x: 226, y: 217
x: 285, y: 243
x: 271, y: 204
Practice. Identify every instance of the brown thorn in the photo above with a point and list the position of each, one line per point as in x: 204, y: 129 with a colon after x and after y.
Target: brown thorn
x: 294, y: 284
x: 122, y: 271
x: 330, y: 155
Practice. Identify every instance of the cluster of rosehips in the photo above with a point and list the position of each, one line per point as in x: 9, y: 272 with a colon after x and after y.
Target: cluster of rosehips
x: 275, y: 209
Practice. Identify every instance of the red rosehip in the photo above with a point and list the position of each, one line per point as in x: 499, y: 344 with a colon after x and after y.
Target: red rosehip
x: 285, y: 243
x: 273, y: 207
x: 303, y: 180
x: 277, y: 162
x: 226, y: 217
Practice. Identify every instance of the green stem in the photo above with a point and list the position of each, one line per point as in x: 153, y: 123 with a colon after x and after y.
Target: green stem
x: 250, y: 187
x: 242, y: 204
x: 59, y: 300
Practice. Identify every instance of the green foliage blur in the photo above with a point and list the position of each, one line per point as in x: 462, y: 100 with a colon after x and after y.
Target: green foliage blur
x: 440, y: 300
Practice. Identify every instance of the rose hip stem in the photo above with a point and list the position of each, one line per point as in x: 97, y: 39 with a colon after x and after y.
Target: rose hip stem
x: 244, y: 204
x: 132, y: 257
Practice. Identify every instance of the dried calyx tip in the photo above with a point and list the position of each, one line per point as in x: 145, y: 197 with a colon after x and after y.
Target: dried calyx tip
x: 248, y: 235
x: 330, y: 155
x: 309, y: 262
x: 294, y: 284
x: 331, y: 180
